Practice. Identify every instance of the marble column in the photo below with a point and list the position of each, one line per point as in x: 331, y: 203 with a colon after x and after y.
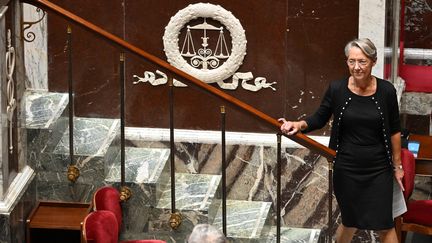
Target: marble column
x: 3, y: 121
x: 372, y: 26
x: 19, y: 199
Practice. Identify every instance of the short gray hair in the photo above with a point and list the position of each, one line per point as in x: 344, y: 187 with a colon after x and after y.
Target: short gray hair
x: 366, y: 45
x: 206, y: 233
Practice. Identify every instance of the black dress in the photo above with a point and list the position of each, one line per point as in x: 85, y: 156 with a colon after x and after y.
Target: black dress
x: 363, y: 177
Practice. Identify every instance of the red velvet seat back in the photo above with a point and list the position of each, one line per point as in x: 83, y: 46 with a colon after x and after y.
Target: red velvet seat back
x: 144, y: 241
x: 419, y: 212
x: 108, y: 198
x: 100, y: 227
x: 417, y: 78
x: 408, y: 164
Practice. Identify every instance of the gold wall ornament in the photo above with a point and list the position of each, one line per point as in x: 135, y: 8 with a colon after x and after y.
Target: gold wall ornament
x: 175, y: 220
x: 73, y: 173
x: 125, y: 193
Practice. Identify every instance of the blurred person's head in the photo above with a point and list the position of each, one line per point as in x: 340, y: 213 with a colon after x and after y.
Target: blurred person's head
x: 206, y: 233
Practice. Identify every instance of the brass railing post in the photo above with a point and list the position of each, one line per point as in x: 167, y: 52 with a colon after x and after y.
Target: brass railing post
x: 223, y: 145
x: 330, y: 201
x: 73, y: 171
x: 122, y: 120
x: 125, y: 192
x: 175, y: 219
x: 278, y: 188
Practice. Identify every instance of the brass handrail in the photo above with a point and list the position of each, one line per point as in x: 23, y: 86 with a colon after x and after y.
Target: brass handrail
x: 299, y: 137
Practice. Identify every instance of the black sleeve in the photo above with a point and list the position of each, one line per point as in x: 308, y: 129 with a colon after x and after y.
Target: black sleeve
x: 394, y: 120
x: 322, y: 115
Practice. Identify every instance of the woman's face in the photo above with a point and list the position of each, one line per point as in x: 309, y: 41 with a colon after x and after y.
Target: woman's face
x: 359, y: 65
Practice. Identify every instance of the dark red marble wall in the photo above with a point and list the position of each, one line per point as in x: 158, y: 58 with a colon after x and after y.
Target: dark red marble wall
x: 95, y: 61
x: 298, y: 44
x: 417, y: 29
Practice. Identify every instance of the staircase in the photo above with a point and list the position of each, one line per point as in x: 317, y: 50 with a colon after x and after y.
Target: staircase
x: 146, y: 214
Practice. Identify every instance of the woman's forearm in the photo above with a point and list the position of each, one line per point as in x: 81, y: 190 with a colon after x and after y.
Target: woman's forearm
x: 396, y: 148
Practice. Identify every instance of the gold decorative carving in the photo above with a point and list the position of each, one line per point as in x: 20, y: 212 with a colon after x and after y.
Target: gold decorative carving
x: 73, y: 173
x: 175, y: 220
x: 330, y: 165
x: 125, y: 193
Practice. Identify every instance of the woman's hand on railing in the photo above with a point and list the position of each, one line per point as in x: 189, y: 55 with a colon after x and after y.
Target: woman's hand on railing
x: 292, y: 127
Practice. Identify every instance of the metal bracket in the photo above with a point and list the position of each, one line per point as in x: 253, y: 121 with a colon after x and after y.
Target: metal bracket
x: 31, y: 36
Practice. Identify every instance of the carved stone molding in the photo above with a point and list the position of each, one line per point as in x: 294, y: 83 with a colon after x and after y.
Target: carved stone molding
x: 215, y: 12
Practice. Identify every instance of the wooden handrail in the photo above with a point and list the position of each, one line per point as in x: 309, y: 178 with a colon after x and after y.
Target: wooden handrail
x: 299, y: 137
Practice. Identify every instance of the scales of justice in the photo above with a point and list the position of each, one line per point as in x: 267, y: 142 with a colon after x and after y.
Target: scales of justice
x: 205, y: 57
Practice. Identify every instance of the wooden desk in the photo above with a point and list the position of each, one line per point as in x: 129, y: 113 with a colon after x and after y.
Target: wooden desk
x: 424, y: 157
x: 56, y: 222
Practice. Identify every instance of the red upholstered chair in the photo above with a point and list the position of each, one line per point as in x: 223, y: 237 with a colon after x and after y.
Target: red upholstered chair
x: 108, y: 198
x: 417, y: 78
x: 418, y: 218
x: 101, y: 227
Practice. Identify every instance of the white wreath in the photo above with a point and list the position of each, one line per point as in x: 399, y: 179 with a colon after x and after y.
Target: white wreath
x: 216, y: 12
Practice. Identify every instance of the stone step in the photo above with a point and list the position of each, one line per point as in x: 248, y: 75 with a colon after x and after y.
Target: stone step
x: 95, y: 142
x: 45, y: 122
x: 294, y: 235
x: 288, y: 235
x: 247, y: 221
x: 195, y: 200
x: 43, y: 109
x: 194, y: 192
x: 142, y: 165
x: 146, y: 173
x: 93, y: 145
x: 92, y: 136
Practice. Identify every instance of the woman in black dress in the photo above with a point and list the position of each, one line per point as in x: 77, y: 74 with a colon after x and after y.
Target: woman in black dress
x: 366, y: 137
